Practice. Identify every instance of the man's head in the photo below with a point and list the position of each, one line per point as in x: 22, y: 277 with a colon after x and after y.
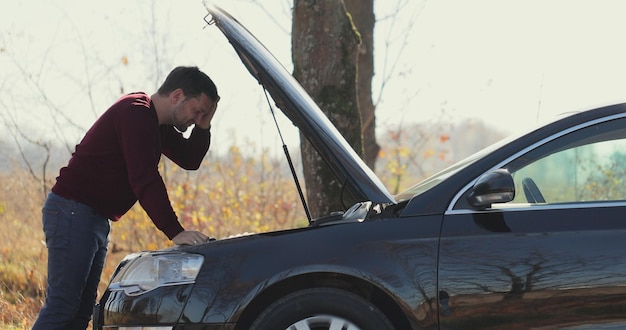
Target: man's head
x: 191, y: 81
x: 188, y: 96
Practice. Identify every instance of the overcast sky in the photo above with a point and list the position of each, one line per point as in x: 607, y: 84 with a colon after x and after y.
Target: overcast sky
x: 508, y: 63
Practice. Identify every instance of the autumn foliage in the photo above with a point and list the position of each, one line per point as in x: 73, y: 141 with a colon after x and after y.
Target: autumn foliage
x: 228, y: 195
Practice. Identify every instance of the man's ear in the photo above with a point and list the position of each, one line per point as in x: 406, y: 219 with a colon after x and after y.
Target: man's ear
x: 177, y: 95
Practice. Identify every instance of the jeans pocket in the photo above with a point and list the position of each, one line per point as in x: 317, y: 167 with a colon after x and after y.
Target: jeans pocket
x: 56, y: 228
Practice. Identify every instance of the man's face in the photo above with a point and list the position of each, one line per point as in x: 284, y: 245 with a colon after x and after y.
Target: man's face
x: 193, y: 110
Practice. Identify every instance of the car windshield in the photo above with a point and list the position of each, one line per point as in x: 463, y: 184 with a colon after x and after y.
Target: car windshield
x: 439, y: 177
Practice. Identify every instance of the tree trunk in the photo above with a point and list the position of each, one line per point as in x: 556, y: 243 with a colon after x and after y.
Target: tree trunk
x: 362, y: 12
x: 324, y: 51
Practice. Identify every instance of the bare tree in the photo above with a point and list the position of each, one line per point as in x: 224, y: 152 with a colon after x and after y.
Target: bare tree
x: 19, y: 138
x: 35, y: 115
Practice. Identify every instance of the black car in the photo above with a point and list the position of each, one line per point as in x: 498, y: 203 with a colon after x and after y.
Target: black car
x: 528, y: 233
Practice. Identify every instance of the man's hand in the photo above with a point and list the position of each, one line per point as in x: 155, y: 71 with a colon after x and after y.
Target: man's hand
x: 189, y: 237
x: 204, y: 121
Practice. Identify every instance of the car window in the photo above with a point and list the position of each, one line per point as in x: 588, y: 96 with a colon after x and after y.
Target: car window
x: 587, y: 165
x: 441, y: 176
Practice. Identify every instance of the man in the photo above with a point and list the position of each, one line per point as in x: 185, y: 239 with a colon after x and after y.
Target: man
x: 114, y: 166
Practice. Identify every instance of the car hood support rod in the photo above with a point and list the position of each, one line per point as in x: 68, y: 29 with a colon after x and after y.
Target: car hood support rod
x: 289, y: 161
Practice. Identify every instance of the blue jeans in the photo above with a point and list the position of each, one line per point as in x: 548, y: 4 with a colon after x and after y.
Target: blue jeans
x: 77, y: 239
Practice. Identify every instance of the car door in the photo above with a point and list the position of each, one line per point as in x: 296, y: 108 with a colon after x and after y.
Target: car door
x: 555, y: 256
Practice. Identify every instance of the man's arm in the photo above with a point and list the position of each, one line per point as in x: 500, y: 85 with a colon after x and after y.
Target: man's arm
x: 189, y: 153
x: 186, y: 153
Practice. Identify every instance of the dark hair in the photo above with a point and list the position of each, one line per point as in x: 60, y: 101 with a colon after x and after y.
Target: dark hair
x: 191, y: 80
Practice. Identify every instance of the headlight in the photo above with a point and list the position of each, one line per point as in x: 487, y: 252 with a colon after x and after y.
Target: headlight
x: 152, y: 270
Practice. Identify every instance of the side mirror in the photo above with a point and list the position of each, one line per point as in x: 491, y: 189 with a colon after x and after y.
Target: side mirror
x: 492, y: 187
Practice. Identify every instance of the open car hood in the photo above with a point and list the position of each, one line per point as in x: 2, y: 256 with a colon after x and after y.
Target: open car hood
x: 298, y: 106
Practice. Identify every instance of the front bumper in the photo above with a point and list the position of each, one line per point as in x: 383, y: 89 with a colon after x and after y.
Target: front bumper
x: 155, y: 308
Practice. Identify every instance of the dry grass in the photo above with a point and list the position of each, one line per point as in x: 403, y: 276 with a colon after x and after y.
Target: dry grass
x: 22, y: 255
x: 226, y: 196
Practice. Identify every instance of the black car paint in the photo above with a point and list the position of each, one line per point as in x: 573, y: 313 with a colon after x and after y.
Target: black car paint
x: 525, y: 269
x: 377, y: 257
x: 431, y: 261
x: 454, y: 268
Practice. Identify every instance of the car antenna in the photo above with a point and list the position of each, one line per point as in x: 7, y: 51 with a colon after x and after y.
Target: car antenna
x: 289, y: 161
